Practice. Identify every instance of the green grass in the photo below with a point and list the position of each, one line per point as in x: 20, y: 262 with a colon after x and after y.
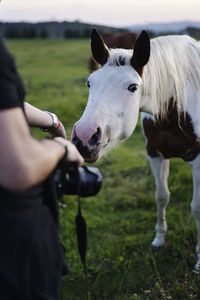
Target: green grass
x: 121, y: 218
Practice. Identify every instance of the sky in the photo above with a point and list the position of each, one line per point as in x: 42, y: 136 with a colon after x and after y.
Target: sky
x: 118, y: 13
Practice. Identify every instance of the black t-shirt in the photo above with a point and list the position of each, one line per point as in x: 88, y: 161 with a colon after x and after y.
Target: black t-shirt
x: 12, y: 94
x: 12, y: 90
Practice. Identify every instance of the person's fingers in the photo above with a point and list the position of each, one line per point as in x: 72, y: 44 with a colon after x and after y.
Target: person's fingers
x: 73, y: 154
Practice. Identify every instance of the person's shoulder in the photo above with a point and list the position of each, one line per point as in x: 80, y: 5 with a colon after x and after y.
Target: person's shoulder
x: 5, y: 55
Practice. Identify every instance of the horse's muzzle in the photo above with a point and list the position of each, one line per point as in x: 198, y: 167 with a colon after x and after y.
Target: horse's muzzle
x: 90, y: 155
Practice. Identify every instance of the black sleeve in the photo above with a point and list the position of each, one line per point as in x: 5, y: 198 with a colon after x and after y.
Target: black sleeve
x: 12, y: 90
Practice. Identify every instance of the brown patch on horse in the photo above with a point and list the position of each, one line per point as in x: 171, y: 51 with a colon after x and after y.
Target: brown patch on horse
x: 172, y: 137
x: 140, y: 71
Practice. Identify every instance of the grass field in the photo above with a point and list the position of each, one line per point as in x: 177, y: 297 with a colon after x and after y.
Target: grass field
x: 121, y: 218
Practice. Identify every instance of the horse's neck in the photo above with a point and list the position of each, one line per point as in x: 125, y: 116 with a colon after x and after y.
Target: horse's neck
x: 153, y: 101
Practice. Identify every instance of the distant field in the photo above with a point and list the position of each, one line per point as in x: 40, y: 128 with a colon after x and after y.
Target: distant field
x: 121, y: 218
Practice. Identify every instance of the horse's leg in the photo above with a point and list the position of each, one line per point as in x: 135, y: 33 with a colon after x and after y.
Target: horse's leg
x: 195, y: 205
x: 160, y: 168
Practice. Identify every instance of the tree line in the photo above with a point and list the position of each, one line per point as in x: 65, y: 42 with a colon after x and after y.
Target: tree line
x: 54, y: 30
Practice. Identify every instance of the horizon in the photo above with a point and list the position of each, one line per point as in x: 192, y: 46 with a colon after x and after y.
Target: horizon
x: 101, y: 24
x: 124, y: 14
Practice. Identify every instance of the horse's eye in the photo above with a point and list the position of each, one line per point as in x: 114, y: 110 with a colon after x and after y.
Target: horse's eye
x: 133, y: 87
x: 88, y: 83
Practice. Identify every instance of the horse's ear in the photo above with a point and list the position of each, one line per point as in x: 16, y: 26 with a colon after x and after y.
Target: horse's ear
x: 99, y: 49
x: 141, y: 51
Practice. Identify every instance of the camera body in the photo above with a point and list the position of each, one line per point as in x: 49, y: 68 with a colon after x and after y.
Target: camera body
x: 72, y: 180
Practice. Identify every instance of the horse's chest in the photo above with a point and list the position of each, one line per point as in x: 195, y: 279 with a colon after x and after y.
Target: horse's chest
x: 170, y: 137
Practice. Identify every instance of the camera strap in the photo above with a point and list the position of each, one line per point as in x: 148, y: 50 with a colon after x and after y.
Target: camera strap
x: 81, y: 231
x: 81, y: 227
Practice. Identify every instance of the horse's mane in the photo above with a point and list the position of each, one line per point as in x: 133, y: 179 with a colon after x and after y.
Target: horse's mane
x: 173, y: 67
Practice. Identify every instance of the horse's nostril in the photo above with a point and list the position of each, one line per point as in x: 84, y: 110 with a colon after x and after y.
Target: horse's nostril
x: 84, y: 150
x: 77, y: 142
x: 95, y: 138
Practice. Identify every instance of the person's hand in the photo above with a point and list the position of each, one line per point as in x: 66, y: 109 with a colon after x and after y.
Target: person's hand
x: 73, y: 155
x: 58, y: 132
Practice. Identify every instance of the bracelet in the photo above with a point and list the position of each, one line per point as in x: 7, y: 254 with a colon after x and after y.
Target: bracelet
x: 55, y: 122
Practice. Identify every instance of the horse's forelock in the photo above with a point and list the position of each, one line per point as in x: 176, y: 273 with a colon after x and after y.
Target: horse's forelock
x: 119, y: 57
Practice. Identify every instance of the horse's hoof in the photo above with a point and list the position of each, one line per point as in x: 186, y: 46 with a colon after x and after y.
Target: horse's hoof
x: 158, y: 243
x: 197, y: 268
x: 157, y: 247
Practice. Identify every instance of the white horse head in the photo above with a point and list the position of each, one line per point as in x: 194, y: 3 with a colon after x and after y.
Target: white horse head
x: 112, y: 110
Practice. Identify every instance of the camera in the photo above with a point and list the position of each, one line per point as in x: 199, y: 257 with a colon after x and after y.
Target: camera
x: 72, y: 180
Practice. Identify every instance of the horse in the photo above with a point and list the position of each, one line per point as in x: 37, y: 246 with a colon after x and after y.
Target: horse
x: 161, y: 79
x: 114, y: 40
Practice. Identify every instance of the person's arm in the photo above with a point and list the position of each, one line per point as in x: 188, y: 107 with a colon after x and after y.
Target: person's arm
x: 24, y: 161
x: 43, y: 119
